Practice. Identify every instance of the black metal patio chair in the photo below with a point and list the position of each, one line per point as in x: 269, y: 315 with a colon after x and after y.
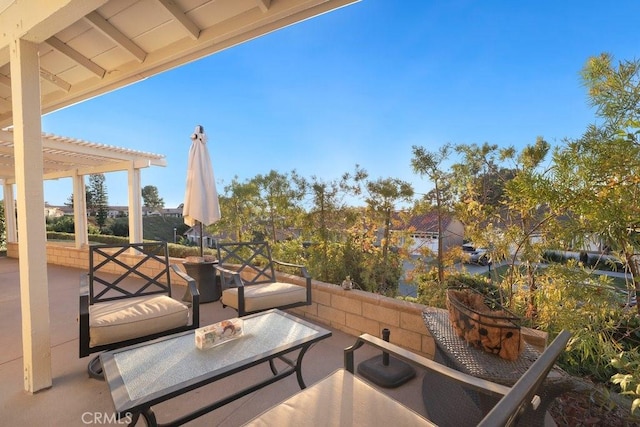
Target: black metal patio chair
x: 125, y: 298
x: 249, y: 282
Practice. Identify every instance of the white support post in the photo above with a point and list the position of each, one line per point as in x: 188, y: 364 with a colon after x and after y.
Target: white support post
x: 34, y: 283
x: 80, y: 211
x: 135, y: 205
x: 10, y: 213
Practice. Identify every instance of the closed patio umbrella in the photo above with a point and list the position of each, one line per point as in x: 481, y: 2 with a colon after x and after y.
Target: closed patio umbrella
x: 201, y: 197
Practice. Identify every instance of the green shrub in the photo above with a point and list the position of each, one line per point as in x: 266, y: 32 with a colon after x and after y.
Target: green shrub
x: 430, y: 292
x: 554, y: 256
x: 289, y: 251
x: 117, y: 227
x: 62, y: 224
x: 181, y: 251
x: 54, y: 235
x: 627, y: 364
x: 175, y: 250
x: 568, y: 298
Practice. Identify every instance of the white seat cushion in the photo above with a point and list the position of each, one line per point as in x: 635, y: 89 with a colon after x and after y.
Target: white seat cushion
x: 129, y: 318
x: 340, y: 399
x: 265, y: 296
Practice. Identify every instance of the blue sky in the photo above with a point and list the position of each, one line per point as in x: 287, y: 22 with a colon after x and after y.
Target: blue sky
x: 362, y: 85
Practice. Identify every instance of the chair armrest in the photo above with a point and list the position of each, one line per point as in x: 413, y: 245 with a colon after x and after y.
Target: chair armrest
x: 508, y: 409
x: 484, y: 386
x: 225, y: 272
x: 192, y: 289
x: 304, y: 273
x: 287, y: 264
x: 235, y: 280
x: 302, y: 268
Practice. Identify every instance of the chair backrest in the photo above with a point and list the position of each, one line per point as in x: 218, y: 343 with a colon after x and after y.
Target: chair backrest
x: 129, y: 270
x: 251, y: 259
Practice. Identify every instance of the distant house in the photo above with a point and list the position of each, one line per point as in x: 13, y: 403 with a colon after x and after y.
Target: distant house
x: 67, y: 210
x: 423, y: 232
x: 165, y: 212
x: 52, y: 211
x: 193, y: 236
x: 115, y: 211
x: 173, y: 212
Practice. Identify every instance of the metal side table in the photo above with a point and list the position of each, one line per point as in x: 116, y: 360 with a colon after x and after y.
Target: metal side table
x: 207, y: 280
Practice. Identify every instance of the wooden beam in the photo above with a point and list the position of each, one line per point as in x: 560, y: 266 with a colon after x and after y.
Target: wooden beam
x: 116, y: 35
x: 4, y: 80
x: 76, y: 56
x: 62, y: 84
x: 5, y: 103
x: 264, y: 5
x: 37, y: 20
x: 191, y: 28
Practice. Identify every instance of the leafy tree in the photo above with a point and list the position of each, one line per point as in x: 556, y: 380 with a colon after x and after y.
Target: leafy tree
x: 429, y: 163
x: 326, y: 221
x: 279, y: 194
x: 88, y: 200
x: 382, y: 197
x: 480, y: 178
x: 151, y: 198
x: 99, y: 198
x: 516, y: 224
x: 599, y: 173
x: 240, y: 211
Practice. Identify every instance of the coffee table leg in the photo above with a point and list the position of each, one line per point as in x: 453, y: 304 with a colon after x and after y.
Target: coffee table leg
x: 273, y: 367
x: 149, y: 418
x: 296, y: 366
x: 134, y: 419
x: 299, y: 368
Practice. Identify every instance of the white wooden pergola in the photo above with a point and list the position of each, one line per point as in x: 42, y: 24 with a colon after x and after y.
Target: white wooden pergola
x: 54, y: 53
x: 65, y: 157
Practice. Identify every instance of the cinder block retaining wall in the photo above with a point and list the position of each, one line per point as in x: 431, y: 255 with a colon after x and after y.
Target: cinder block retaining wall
x: 353, y: 312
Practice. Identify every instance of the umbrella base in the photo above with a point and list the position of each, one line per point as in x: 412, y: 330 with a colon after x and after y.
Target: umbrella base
x: 207, y: 281
x: 392, y: 375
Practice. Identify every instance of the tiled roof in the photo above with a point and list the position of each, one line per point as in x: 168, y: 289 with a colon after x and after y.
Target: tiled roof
x: 424, y: 222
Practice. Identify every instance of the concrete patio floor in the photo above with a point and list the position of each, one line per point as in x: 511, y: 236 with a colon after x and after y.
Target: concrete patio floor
x: 75, y: 399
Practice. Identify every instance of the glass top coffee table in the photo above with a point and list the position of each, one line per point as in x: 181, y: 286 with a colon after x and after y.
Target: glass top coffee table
x: 146, y: 374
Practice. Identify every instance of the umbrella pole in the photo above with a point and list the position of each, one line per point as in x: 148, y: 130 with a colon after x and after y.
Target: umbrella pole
x: 201, y: 241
